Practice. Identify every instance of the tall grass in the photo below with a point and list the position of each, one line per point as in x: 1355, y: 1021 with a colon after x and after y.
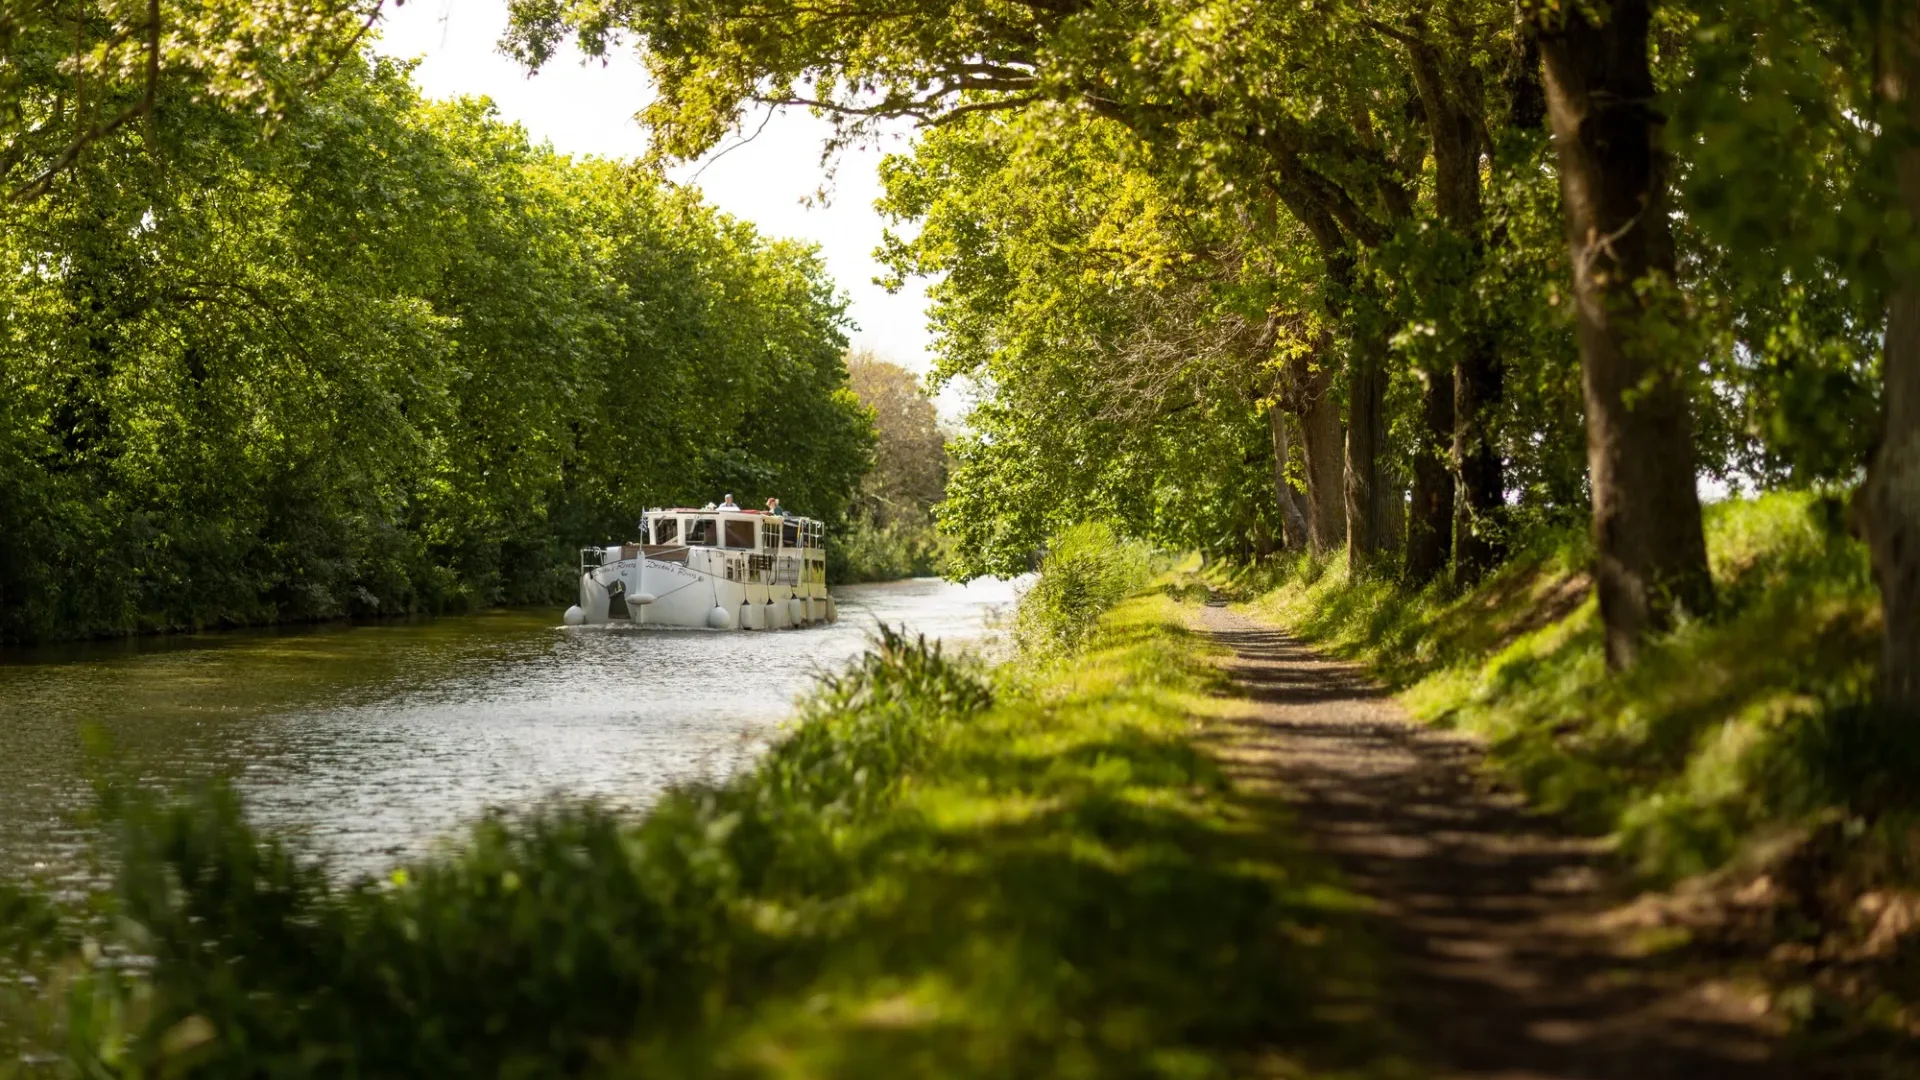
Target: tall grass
x: 937, y: 873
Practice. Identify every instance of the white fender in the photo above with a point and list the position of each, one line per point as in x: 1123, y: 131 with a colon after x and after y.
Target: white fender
x: 641, y: 598
x: 833, y: 610
x: 797, y: 611
x: 574, y: 616
x: 719, y: 618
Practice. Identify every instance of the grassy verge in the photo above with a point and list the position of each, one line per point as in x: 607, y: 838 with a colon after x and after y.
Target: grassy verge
x: 1738, y: 754
x: 941, y: 872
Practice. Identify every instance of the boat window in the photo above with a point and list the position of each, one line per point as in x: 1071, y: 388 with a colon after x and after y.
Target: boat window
x: 666, y: 531
x: 740, y: 534
x: 790, y: 534
x: 769, y: 536
x: 703, y: 532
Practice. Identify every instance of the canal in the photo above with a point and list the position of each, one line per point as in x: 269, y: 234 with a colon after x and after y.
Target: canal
x: 368, y: 743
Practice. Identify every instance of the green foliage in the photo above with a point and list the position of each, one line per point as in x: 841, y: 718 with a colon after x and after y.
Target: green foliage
x: 80, y: 71
x: 1088, y: 570
x: 865, y: 551
x: 923, y: 876
x: 1729, y: 730
x: 1151, y: 223
x: 1792, y: 225
x: 394, y: 359
x: 889, y: 533
x: 1117, y: 330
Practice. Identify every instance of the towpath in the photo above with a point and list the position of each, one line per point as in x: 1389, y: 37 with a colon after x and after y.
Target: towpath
x: 1505, y: 964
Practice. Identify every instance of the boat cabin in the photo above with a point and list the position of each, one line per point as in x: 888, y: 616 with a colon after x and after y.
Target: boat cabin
x: 738, y: 545
x: 734, y: 530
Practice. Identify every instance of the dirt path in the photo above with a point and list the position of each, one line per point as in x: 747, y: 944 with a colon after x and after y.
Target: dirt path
x: 1502, y: 969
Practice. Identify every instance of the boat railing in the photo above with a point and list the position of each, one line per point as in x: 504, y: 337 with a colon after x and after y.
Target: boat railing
x: 789, y: 567
x: 590, y: 558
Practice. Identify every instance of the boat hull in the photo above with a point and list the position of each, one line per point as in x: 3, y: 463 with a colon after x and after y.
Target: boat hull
x: 656, y: 592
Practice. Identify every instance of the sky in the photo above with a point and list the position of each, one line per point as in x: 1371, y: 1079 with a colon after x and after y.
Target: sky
x: 588, y: 109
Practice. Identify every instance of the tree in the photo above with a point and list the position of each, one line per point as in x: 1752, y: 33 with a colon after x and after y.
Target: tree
x: 393, y: 359
x: 1890, y: 497
x: 1651, y: 548
x: 1122, y: 335
x: 942, y: 64
x: 1397, y: 142
x: 909, y: 473
x: 80, y: 71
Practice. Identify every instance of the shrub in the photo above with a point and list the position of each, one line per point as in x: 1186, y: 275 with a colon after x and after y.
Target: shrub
x: 1087, y: 570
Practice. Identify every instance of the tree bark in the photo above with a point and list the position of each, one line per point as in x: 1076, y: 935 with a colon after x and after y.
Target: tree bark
x: 1366, y: 406
x: 1390, y: 512
x: 1332, y: 217
x: 1479, y: 476
x: 1430, y: 519
x: 1293, y: 520
x: 1651, y: 549
x: 1320, y: 443
x: 1479, y: 541
x: 1889, y: 501
x: 1366, y: 433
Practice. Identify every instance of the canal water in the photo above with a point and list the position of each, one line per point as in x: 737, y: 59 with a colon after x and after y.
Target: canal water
x: 369, y: 743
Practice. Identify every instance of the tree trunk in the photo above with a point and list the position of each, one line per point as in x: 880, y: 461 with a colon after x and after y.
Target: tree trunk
x: 1355, y: 484
x: 1390, y: 512
x: 1320, y: 442
x: 1366, y: 431
x: 1479, y: 541
x: 1889, y: 501
x: 1293, y: 520
x: 1478, y: 474
x: 1652, y: 553
x: 1430, y: 519
x: 1261, y: 539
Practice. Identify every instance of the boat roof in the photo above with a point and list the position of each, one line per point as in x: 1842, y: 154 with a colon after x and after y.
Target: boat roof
x: 742, y: 512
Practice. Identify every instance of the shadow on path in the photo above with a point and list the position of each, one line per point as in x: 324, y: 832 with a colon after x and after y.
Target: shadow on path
x: 1488, y: 909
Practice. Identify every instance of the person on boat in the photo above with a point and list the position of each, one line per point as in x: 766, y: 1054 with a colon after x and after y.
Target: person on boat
x: 774, y: 508
x: 728, y: 503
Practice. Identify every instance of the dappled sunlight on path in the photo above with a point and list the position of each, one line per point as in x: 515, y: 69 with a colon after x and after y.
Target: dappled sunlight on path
x: 1492, y: 910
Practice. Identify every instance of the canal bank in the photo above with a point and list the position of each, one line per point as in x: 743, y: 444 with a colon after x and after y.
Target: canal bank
x: 944, y: 871
x: 1169, y: 842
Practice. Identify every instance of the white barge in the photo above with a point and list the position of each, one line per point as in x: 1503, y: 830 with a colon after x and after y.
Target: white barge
x: 717, y: 569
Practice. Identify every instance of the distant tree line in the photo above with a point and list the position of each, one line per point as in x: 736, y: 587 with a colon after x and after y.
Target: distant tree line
x: 1392, y: 279
x: 890, y: 532
x: 281, y: 340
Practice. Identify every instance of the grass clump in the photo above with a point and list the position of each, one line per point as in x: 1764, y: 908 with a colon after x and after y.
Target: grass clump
x: 941, y: 872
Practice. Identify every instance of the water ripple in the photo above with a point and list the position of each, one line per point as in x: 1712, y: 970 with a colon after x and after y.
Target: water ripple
x: 368, y: 742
